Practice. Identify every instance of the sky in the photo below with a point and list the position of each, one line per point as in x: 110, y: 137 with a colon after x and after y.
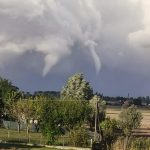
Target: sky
x: 43, y: 42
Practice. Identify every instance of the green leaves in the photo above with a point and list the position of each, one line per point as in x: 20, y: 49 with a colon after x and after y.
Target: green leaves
x: 111, y: 131
x: 8, y: 92
x: 79, y: 137
x: 60, y: 114
x: 130, y: 118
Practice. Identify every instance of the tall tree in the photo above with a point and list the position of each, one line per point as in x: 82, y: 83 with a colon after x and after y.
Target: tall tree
x: 22, y: 111
x: 98, y: 105
x: 8, y: 91
x: 16, y: 112
x: 77, y: 88
x: 8, y: 94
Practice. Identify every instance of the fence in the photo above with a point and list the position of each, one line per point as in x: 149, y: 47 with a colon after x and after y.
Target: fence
x: 12, y: 125
x: 14, y: 136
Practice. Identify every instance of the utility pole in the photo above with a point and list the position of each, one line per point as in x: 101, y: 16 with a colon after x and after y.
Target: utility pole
x: 128, y: 96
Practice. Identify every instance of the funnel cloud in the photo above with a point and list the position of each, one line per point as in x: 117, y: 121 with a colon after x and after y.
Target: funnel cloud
x: 45, y: 40
x: 48, y: 26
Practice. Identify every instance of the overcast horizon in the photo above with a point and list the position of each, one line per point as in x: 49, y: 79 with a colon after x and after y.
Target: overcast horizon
x: 43, y: 42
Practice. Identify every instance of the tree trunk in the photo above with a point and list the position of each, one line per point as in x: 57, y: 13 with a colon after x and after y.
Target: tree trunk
x: 125, y: 142
x: 28, y: 136
x: 36, y: 127
x: 18, y: 126
x: 27, y: 129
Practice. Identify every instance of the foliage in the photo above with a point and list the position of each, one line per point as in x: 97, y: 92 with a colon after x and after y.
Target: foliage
x: 74, y: 112
x: 47, y: 94
x: 8, y: 94
x: 59, y: 115
x: 25, y: 110
x: 111, y: 131
x: 79, y: 137
x: 8, y: 91
x: 99, y: 106
x: 130, y: 118
x: 77, y: 88
x: 50, y: 120
x: 22, y: 111
x: 140, y: 144
x: 36, y: 106
x: 137, y: 102
x: 1, y: 107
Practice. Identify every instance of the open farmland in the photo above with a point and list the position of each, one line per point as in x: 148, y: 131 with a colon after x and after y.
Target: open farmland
x: 113, y: 112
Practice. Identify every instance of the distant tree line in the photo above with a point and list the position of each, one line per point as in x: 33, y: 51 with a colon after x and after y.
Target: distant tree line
x: 119, y: 101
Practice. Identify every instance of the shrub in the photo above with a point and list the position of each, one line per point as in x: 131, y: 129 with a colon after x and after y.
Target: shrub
x: 79, y: 137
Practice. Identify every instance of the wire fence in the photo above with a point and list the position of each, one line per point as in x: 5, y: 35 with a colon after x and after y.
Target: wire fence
x: 9, y: 133
x: 13, y: 125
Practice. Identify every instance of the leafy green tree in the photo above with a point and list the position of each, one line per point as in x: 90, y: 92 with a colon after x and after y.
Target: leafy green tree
x: 8, y: 91
x: 51, y: 121
x: 76, y: 112
x: 111, y: 132
x: 8, y: 94
x: 22, y: 111
x: 77, y: 88
x: 130, y: 118
x: 59, y: 114
x: 15, y: 111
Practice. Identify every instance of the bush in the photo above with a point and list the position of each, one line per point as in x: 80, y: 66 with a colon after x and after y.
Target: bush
x: 140, y: 144
x: 79, y: 137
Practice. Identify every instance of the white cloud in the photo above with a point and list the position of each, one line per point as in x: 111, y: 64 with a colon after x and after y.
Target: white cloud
x: 48, y: 26
x: 141, y: 38
x: 54, y: 27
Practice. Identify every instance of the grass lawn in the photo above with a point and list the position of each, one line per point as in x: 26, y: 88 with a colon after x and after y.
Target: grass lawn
x: 14, y: 136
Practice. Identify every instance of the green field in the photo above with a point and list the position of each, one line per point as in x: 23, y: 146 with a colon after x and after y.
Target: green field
x: 11, y: 139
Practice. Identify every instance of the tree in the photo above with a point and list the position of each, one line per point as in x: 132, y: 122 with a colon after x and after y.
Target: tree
x: 77, y: 88
x: 15, y: 110
x: 8, y: 91
x: 8, y: 94
x: 58, y: 115
x: 22, y: 111
x: 130, y: 118
x: 111, y: 132
x: 51, y: 120
x: 75, y: 112
x: 98, y: 115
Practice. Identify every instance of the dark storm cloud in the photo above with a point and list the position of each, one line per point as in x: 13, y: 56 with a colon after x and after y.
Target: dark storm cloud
x: 60, y: 37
